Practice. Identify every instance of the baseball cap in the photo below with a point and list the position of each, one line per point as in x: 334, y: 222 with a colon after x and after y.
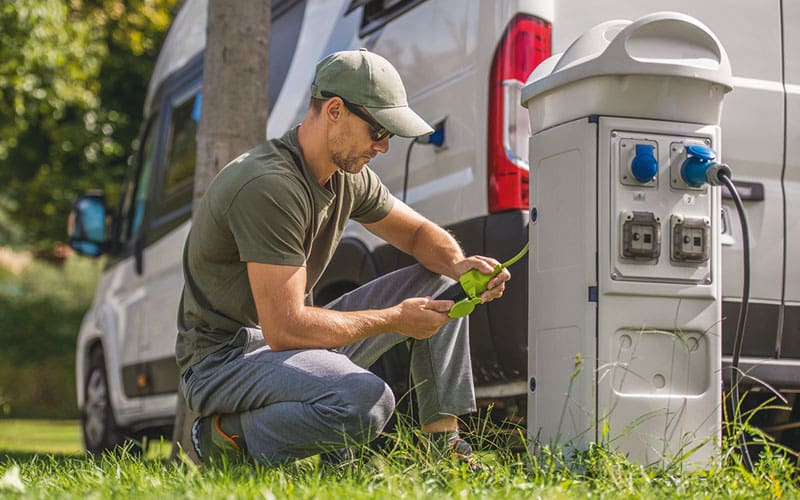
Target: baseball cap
x: 366, y: 79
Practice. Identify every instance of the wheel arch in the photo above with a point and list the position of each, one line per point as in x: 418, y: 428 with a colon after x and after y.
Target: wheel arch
x: 98, y: 331
x: 352, y: 265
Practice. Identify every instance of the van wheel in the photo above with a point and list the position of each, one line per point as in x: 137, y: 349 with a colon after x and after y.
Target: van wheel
x: 100, y: 432
x: 393, y: 367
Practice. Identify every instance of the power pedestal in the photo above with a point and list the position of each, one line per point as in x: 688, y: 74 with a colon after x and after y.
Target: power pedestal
x: 625, y: 298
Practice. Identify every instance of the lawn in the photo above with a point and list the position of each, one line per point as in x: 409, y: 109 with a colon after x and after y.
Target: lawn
x: 61, y: 437
x: 44, y: 459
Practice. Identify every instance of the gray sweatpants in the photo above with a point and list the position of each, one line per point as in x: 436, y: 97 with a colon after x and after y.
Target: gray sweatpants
x: 297, y: 403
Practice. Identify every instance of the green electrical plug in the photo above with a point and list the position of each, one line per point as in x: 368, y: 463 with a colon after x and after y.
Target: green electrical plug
x: 475, y: 283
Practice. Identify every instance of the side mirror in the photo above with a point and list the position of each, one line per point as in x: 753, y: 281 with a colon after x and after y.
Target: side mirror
x: 87, y: 224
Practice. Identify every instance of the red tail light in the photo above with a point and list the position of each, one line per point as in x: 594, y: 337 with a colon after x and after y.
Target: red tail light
x: 524, y: 45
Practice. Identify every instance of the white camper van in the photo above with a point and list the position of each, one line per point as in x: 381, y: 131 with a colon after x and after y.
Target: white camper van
x: 464, y: 63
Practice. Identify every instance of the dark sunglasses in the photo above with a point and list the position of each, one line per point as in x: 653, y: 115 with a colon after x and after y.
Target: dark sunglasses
x: 379, y: 132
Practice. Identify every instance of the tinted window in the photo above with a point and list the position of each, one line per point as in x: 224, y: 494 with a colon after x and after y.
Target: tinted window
x: 379, y: 12
x: 134, y: 198
x: 174, y: 193
x: 182, y: 147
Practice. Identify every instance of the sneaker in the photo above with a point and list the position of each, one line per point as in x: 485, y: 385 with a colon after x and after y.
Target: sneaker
x: 338, y: 458
x: 452, y: 445
x: 211, y: 442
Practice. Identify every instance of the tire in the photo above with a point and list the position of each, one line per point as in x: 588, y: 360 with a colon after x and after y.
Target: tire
x: 393, y: 368
x: 100, y: 431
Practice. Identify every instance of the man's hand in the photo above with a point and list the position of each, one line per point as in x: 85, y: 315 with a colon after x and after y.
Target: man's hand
x: 485, y: 265
x: 421, y: 317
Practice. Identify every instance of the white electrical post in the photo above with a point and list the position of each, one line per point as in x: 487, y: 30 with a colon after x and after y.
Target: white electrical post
x: 625, y: 300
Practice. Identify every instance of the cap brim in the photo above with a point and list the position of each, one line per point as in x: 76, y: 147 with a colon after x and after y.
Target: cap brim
x: 400, y: 120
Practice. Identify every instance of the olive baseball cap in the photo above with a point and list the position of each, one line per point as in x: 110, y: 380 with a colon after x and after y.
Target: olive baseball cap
x: 366, y: 79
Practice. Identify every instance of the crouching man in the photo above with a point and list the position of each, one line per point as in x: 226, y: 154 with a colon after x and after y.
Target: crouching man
x: 272, y: 378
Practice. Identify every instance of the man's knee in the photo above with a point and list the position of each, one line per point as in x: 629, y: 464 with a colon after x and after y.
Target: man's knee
x: 367, y: 405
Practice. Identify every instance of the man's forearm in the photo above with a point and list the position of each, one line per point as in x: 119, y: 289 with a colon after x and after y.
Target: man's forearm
x: 317, y: 328
x: 312, y: 327
x: 436, y: 249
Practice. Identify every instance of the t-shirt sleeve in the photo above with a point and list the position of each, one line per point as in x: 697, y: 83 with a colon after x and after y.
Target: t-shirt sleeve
x: 372, y: 201
x: 268, y: 220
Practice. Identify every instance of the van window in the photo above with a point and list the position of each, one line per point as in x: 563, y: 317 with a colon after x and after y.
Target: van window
x: 174, y: 193
x: 134, y: 201
x: 182, y: 146
x: 379, y: 12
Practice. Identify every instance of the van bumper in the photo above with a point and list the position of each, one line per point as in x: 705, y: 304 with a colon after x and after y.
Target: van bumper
x: 779, y: 374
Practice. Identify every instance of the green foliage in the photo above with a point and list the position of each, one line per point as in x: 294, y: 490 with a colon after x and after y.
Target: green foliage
x: 73, y: 78
x: 40, y: 314
x: 11, y: 233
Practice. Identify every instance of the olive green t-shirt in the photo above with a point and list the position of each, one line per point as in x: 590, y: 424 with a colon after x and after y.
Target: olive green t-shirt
x: 266, y: 207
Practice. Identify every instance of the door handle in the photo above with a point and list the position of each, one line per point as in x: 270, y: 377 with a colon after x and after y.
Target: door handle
x: 748, y: 191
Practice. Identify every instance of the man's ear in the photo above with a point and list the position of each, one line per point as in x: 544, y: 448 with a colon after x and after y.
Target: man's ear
x: 332, y: 109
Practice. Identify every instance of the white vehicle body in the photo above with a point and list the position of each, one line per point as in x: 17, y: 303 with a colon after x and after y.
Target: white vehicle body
x: 760, y: 142
x: 444, y: 50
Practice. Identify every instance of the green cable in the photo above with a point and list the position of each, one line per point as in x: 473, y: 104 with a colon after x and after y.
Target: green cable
x: 515, y: 258
x: 475, y: 283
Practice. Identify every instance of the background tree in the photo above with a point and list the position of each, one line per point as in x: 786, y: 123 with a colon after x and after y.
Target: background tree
x: 234, y: 114
x: 73, y: 77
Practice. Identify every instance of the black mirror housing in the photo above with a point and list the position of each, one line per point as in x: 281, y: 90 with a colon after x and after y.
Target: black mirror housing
x: 87, y: 224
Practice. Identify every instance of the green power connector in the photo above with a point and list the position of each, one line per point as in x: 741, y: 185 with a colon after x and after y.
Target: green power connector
x: 475, y: 283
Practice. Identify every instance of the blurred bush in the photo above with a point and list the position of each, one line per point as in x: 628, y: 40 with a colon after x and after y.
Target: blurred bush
x: 40, y: 313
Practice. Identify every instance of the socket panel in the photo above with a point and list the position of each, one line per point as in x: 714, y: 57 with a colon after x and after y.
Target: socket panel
x: 651, y: 218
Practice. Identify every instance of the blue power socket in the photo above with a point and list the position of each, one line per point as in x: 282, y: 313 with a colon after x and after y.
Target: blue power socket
x: 436, y: 138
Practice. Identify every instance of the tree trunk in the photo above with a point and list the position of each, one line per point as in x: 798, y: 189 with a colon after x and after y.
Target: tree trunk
x: 233, y: 117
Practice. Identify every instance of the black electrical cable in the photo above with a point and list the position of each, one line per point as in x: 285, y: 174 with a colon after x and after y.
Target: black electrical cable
x: 405, y: 176
x: 455, y: 292
x: 738, y: 339
x: 740, y: 324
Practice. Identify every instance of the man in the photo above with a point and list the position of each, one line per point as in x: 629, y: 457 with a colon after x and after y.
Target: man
x: 273, y: 378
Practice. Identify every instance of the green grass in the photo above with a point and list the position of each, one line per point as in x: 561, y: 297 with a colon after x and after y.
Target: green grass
x: 403, y: 471
x: 62, y: 437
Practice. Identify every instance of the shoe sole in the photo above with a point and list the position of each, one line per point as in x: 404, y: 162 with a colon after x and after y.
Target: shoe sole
x: 196, y: 437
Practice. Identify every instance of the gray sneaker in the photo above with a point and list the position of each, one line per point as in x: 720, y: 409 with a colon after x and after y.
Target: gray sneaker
x: 452, y: 445
x: 211, y: 442
x: 338, y: 458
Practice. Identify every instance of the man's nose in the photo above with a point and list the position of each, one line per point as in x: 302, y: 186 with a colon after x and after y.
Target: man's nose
x: 381, y: 146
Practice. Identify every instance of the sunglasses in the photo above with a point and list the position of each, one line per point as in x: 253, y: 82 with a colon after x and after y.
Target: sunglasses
x: 379, y: 132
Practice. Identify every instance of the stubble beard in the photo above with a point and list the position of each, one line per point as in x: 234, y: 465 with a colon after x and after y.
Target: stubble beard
x: 348, y: 164
x: 342, y: 154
